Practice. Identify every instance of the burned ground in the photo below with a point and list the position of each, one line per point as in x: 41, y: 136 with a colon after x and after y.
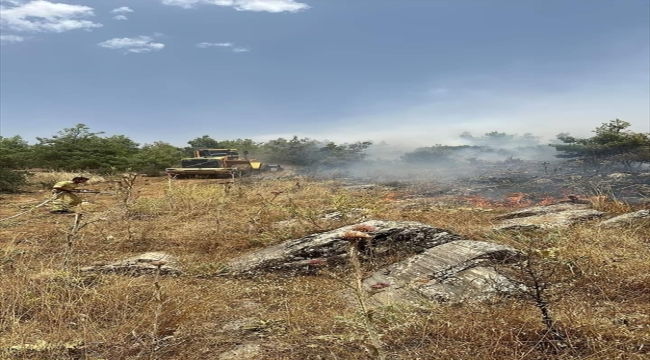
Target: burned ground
x: 595, y: 279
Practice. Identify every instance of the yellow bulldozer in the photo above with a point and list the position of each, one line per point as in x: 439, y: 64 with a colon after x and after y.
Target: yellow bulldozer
x: 210, y: 163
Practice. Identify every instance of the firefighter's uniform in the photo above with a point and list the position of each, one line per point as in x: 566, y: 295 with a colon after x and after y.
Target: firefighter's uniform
x: 65, y: 200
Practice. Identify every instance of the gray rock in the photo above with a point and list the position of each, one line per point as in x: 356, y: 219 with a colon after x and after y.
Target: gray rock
x: 618, y: 176
x: 242, y: 352
x: 239, y: 324
x: 253, y: 350
x: 308, y: 253
x: 452, y: 272
x: 626, y: 219
x: 146, y: 263
x: 561, y: 219
x: 541, y: 210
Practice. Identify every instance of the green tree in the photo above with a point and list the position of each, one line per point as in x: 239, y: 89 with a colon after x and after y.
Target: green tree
x: 117, y: 151
x: 313, y: 154
x: 443, y: 154
x: 297, y: 152
x: 206, y: 142
x: 203, y: 142
x: 333, y: 155
x: 501, y: 139
x: 253, y: 147
x: 15, y: 153
x: 153, y: 159
x: 78, y: 148
x: 612, y: 142
x: 12, y: 180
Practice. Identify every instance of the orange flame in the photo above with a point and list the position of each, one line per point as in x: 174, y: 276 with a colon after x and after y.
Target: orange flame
x: 547, y: 201
x: 391, y: 197
x: 479, y: 201
x: 517, y: 200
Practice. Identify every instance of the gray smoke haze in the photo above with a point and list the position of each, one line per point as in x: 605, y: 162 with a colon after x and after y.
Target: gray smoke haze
x: 510, y: 103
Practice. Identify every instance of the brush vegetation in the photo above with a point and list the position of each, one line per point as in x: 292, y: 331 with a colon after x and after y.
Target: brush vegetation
x: 80, y: 149
x: 594, y: 283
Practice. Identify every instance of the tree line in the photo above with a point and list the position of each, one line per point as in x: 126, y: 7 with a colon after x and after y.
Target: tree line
x: 613, y: 143
x: 80, y: 149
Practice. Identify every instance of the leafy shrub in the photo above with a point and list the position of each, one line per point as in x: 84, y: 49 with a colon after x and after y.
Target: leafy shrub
x: 12, y: 180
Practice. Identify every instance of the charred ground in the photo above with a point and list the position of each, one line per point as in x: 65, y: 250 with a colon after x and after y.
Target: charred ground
x: 597, y: 279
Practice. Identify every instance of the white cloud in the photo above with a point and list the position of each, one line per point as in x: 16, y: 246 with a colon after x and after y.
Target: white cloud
x: 140, y: 44
x: 5, y: 39
x: 205, y: 45
x: 45, y: 16
x: 123, y: 9
x: 120, y: 17
x: 273, y: 6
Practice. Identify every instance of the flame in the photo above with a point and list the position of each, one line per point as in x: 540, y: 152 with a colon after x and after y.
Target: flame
x: 517, y: 200
x: 547, y: 201
x: 391, y: 197
x: 479, y: 201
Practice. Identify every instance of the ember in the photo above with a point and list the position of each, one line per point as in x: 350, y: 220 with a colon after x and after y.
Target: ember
x: 548, y: 201
x: 391, y: 197
x: 317, y: 262
x: 516, y: 200
x: 480, y: 201
x: 380, y: 285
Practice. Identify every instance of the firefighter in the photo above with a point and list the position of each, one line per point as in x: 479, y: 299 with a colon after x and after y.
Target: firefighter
x: 66, y: 198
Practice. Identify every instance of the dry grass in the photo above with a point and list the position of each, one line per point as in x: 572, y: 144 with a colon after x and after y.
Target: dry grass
x: 599, y: 298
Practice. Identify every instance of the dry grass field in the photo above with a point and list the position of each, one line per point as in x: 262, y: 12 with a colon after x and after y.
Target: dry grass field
x: 598, y: 280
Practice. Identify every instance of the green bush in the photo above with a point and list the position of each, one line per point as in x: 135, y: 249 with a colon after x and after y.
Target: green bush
x: 12, y: 180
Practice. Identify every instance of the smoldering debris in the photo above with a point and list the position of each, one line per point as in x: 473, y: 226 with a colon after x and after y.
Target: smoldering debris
x: 513, y: 183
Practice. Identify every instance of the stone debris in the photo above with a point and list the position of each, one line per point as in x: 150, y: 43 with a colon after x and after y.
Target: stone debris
x: 626, y: 219
x: 452, y: 272
x: 242, y: 352
x: 146, y: 263
x: 618, y: 176
x: 438, y: 265
x: 553, y: 220
x: 308, y: 253
x: 541, y: 210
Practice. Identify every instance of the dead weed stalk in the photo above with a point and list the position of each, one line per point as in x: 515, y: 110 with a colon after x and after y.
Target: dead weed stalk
x: 355, y: 237
x: 158, y: 311
x: 71, y: 236
x: 543, y: 277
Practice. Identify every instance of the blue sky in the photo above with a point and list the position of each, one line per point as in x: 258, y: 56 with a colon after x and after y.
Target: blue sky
x: 410, y: 72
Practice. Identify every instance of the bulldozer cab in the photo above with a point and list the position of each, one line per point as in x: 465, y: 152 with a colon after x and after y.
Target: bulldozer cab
x: 206, y: 153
